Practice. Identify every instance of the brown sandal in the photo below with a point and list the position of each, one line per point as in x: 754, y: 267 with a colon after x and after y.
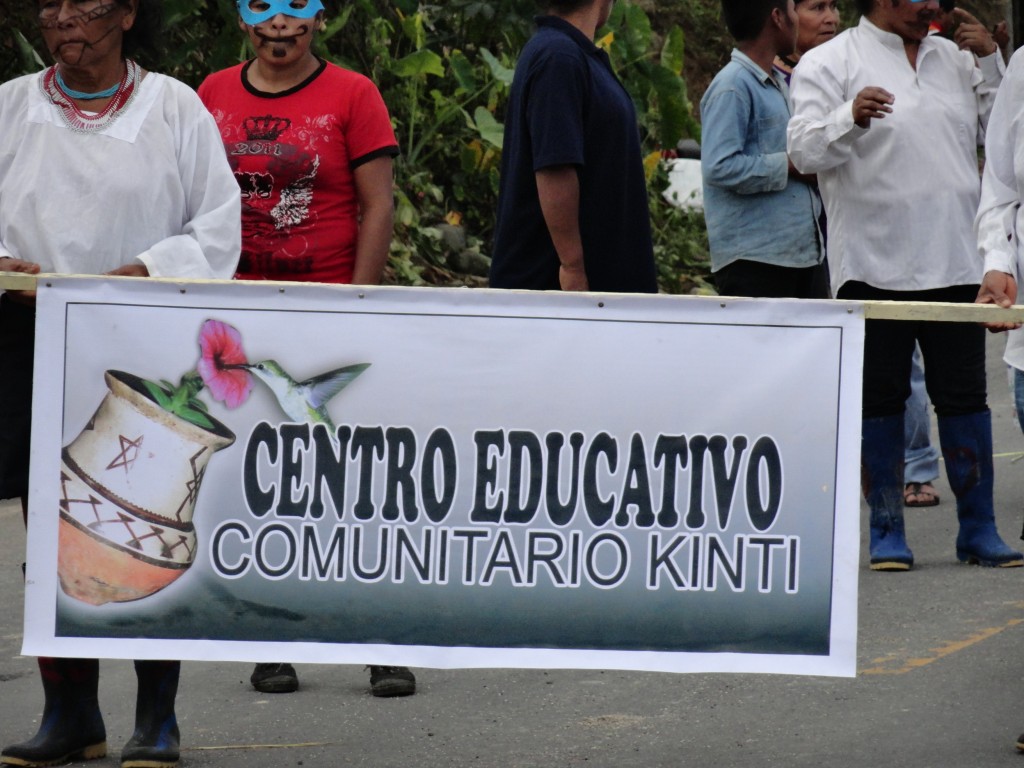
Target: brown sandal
x: 920, y: 495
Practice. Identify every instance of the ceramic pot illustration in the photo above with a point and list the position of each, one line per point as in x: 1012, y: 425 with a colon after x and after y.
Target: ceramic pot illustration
x: 129, y: 484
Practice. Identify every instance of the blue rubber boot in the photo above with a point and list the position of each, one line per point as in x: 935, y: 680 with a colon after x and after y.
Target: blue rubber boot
x: 72, y: 727
x: 155, y: 742
x: 881, y: 475
x: 967, y: 448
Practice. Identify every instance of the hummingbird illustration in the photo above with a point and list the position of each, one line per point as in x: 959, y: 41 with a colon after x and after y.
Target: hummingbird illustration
x: 305, y: 401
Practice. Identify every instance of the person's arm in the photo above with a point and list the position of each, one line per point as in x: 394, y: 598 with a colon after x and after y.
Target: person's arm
x: 988, y: 76
x: 555, y: 98
x: 794, y: 173
x: 11, y: 263
x: 986, y: 63
x: 996, y: 223
x: 558, y: 189
x: 725, y: 116
x: 374, y: 188
x: 210, y: 240
x: 827, y: 121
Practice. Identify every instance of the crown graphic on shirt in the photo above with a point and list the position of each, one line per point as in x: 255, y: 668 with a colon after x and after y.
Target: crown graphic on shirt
x: 266, y: 128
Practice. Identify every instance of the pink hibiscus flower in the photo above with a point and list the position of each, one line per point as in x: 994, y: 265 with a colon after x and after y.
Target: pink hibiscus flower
x: 222, y: 363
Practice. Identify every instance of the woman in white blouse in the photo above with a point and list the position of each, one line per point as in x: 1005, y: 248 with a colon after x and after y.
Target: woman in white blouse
x: 105, y: 168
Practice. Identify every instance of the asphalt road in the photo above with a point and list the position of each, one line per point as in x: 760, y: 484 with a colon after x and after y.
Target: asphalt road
x: 940, y: 665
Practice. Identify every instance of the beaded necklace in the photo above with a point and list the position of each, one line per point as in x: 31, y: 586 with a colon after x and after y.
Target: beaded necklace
x: 86, y: 122
x: 67, y: 90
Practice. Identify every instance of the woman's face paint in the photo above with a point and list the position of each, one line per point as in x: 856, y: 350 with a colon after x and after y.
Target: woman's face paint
x: 83, y: 34
x: 85, y: 11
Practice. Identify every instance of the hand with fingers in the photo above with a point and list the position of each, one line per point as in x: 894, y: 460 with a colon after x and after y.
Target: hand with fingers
x: 130, y: 270
x: 998, y: 288
x: 872, y: 103
x: 971, y: 35
x: 11, y: 264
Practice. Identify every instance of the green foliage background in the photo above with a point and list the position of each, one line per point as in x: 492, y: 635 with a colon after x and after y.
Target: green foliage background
x: 444, y: 70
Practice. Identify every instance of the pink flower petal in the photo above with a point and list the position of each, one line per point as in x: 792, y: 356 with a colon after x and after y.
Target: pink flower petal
x: 220, y: 346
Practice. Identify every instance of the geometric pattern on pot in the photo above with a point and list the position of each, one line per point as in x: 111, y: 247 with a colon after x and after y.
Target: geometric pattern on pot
x: 143, y: 458
x: 88, y: 506
x: 130, y: 448
x: 129, y: 485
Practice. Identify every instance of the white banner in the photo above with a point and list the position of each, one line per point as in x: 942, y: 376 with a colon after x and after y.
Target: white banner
x: 444, y: 478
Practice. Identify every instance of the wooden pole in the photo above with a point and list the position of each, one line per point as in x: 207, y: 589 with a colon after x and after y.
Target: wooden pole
x: 873, y: 310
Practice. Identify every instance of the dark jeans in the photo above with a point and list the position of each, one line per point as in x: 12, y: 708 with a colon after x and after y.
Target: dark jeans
x: 954, y: 354
x: 771, y: 281
x: 17, y: 341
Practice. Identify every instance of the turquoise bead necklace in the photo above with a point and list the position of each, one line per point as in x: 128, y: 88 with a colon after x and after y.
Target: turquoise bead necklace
x: 81, y: 95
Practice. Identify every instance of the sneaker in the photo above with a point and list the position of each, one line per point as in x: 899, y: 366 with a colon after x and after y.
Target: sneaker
x: 392, y: 681
x: 274, y: 678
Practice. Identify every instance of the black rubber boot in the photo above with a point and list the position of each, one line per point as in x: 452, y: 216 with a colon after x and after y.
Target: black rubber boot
x: 155, y: 743
x: 72, y: 726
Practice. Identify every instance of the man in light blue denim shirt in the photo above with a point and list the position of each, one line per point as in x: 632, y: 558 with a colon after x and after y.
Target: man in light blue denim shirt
x: 761, y: 214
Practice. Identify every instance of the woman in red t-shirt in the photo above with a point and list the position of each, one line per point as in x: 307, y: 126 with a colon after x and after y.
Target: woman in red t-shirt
x: 311, y: 146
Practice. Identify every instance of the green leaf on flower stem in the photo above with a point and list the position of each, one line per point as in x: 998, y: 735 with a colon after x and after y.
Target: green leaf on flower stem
x: 198, y: 418
x: 161, y: 396
x: 176, y: 400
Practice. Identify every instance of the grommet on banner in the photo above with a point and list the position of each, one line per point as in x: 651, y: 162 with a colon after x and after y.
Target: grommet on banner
x: 600, y: 304
x: 362, y: 295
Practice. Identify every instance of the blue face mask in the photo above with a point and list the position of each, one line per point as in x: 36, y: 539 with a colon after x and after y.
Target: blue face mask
x: 255, y: 12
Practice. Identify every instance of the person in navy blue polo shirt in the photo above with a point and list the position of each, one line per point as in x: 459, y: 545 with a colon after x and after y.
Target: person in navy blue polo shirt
x: 572, y: 204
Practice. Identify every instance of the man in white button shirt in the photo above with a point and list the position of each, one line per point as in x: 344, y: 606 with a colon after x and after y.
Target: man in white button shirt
x: 890, y: 119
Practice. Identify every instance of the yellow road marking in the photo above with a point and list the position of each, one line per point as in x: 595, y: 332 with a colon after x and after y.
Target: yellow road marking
x: 261, y: 746
x: 885, y: 665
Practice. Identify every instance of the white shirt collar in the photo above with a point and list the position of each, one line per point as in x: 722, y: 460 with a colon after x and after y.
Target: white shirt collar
x: 891, y: 39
